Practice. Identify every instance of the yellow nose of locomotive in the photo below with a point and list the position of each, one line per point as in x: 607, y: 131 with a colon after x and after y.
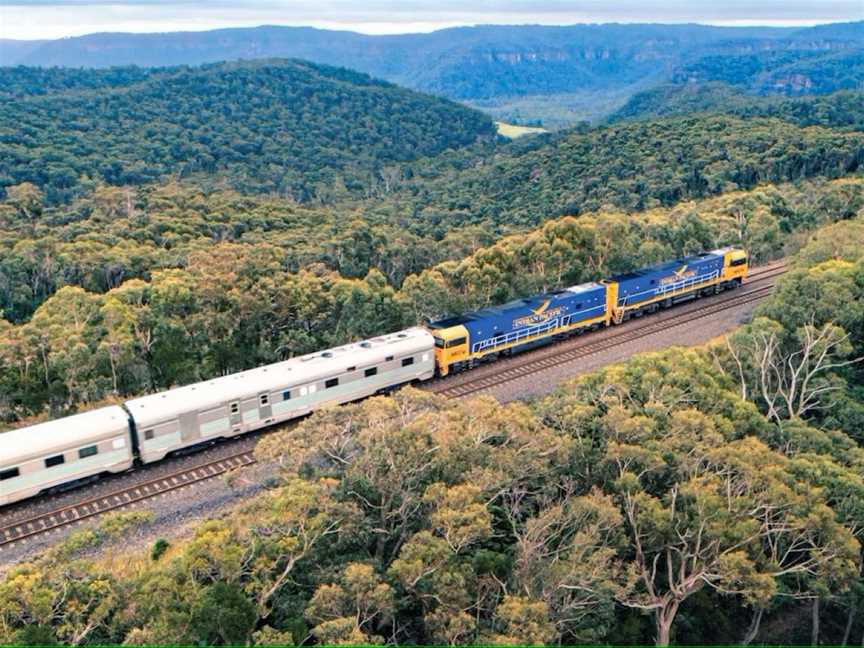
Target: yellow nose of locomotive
x: 451, y: 347
x: 735, y: 264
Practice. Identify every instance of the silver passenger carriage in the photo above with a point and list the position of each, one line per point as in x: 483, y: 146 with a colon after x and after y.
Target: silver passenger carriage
x: 253, y: 399
x: 40, y: 456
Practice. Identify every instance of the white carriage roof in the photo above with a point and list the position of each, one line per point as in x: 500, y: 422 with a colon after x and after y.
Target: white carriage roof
x: 53, y: 437
x: 163, y: 406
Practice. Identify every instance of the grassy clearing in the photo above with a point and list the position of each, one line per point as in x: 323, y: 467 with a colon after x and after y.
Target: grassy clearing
x: 513, y: 131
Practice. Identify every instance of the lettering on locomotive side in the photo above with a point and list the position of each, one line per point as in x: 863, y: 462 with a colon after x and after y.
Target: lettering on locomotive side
x: 677, y: 276
x: 538, y: 315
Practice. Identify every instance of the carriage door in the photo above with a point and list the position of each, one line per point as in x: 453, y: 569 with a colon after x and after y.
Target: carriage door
x: 189, y: 429
x: 234, y: 413
x: 265, y: 411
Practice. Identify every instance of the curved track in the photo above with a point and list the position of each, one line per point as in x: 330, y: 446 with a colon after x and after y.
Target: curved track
x: 119, y: 499
x: 758, y: 286
x: 518, y: 366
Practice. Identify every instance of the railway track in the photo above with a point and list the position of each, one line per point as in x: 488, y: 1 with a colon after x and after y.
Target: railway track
x: 119, y: 499
x: 462, y: 385
x: 519, y: 366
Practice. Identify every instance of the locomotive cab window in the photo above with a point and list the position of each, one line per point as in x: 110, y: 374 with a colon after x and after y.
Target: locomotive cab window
x: 9, y: 473
x: 738, y: 262
x: 407, y: 362
x: 456, y: 342
x: 56, y: 460
x: 89, y: 451
x: 439, y: 343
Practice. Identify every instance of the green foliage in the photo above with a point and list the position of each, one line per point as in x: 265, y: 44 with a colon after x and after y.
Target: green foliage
x: 785, y: 71
x: 158, y: 549
x: 222, y: 614
x: 286, y: 127
x: 111, y: 527
x: 660, y: 485
x: 227, y: 306
x: 841, y: 110
x: 558, y: 74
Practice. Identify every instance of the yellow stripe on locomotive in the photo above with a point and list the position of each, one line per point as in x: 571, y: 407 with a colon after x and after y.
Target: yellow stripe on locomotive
x: 462, y: 340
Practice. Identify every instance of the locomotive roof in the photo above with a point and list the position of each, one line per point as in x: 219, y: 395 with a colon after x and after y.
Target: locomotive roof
x: 163, y: 406
x: 665, y: 266
x: 527, y: 302
x: 53, y: 437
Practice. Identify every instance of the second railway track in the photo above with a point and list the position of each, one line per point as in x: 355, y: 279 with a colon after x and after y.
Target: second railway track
x: 545, y: 358
x: 516, y: 367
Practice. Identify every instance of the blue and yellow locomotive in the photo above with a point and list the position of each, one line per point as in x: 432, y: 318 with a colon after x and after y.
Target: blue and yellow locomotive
x: 464, y: 340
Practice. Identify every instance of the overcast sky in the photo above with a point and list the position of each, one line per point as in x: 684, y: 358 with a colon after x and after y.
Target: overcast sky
x: 31, y: 19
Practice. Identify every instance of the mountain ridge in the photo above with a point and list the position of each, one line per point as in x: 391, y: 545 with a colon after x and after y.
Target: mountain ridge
x: 523, y: 73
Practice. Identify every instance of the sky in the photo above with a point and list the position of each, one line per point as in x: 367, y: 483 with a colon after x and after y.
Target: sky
x: 38, y: 19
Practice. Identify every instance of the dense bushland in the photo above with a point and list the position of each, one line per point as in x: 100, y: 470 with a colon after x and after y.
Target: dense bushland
x: 692, y: 496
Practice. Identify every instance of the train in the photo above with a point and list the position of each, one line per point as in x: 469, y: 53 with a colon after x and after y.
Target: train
x: 114, y: 439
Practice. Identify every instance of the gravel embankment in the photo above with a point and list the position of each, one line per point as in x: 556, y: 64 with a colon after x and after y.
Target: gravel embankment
x: 685, y: 334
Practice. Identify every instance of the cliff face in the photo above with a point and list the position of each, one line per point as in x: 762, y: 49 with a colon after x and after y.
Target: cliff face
x: 493, y: 65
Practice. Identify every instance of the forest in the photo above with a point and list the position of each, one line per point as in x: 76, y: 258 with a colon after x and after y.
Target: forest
x: 164, y: 226
x: 202, y: 306
x: 559, y: 75
x: 627, y: 507
x: 405, y: 216
x: 285, y: 127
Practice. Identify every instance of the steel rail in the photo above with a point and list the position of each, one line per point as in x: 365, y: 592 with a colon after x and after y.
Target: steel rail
x: 524, y: 365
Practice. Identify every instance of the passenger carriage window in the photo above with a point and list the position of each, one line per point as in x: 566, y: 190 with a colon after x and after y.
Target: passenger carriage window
x: 407, y: 361
x: 371, y: 371
x: 286, y: 395
x: 264, y: 399
x: 149, y: 434
x: 331, y: 383
x: 89, y: 451
x: 9, y: 473
x: 56, y: 460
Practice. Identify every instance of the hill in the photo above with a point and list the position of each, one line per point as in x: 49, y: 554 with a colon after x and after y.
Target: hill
x: 288, y: 127
x: 631, y: 166
x: 409, y: 215
x: 517, y: 73
x: 843, y: 109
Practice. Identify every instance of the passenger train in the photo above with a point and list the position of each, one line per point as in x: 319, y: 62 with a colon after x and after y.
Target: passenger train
x: 144, y: 430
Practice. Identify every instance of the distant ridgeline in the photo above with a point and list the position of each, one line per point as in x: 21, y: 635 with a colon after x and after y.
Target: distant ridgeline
x: 286, y: 127
x: 843, y: 109
x: 525, y: 73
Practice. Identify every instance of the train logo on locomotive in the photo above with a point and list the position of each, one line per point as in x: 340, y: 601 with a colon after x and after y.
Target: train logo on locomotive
x: 538, y: 315
x: 678, y: 275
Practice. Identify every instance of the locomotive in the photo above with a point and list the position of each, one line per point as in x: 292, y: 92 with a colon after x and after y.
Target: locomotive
x: 144, y: 430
